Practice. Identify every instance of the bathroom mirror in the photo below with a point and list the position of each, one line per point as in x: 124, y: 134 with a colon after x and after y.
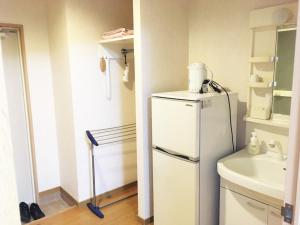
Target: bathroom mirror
x: 283, y: 77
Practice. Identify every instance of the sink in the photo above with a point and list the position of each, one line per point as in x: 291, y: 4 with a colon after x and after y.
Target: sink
x: 260, y: 173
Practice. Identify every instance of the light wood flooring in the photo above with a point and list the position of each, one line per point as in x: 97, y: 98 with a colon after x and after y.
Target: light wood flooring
x: 122, y: 213
x: 117, y: 194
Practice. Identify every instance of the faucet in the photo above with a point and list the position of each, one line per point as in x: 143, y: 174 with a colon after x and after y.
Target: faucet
x: 276, y: 148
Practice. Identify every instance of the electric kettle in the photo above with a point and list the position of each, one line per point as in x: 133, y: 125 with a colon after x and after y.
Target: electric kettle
x: 197, y: 74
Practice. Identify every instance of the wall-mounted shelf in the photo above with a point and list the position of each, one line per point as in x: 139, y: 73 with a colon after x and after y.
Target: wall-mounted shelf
x: 259, y: 85
x: 263, y: 59
x: 282, y: 93
x: 274, y: 123
x: 121, y: 40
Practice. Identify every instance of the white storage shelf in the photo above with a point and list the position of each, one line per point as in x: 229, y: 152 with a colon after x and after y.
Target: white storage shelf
x: 121, y: 40
x: 259, y: 85
x: 282, y: 93
x: 262, y: 59
x: 274, y: 123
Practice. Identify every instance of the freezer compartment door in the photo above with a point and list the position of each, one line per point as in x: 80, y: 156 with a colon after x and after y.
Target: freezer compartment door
x: 176, y: 126
x: 176, y: 190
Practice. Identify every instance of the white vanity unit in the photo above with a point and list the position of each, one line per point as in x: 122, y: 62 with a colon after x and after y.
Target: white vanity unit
x: 251, y: 189
x: 252, y: 186
x: 240, y: 206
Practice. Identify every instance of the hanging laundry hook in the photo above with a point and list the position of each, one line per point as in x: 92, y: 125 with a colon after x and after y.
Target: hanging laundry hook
x: 125, y: 51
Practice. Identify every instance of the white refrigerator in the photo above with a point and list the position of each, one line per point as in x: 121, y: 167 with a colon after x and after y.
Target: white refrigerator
x: 190, y: 133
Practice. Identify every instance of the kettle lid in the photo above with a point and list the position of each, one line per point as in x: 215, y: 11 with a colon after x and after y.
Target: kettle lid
x: 197, y: 65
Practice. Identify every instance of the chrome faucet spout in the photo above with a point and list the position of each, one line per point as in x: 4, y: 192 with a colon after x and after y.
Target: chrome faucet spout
x: 274, y: 147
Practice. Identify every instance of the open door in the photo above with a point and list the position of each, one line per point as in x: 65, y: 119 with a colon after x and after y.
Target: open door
x: 9, y: 211
x: 292, y: 182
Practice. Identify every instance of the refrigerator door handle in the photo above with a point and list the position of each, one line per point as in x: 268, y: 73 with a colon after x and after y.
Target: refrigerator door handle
x: 173, y: 154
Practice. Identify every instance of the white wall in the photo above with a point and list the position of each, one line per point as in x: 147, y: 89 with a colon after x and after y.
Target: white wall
x: 58, y: 42
x: 161, y: 52
x: 115, y: 164
x: 8, y: 190
x: 32, y: 14
x: 75, y: 29
x: 219, y: 35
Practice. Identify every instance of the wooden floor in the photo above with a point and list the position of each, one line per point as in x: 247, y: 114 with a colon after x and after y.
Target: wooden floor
x: 122, y: 213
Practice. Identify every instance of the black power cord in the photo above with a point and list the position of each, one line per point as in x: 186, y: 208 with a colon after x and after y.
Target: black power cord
x: 218, y: 88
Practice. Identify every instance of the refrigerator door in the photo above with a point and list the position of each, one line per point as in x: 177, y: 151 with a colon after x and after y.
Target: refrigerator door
x: 176, y: 126
x: 176, y: 190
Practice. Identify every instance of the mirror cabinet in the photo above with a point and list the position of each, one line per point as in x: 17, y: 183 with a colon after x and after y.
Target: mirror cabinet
x: 271, y: 63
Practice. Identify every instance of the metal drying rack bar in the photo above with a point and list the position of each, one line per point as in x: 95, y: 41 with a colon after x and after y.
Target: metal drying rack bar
x: 102, y: 137
x: 112, y: 135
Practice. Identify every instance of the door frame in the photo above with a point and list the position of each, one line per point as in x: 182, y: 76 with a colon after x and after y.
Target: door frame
x: 26, y: 93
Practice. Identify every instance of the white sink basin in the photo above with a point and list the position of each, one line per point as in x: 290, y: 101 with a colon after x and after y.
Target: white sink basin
x: 259, y: 173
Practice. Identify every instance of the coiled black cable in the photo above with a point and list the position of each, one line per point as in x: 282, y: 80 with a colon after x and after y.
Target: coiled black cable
x: 218, y: 88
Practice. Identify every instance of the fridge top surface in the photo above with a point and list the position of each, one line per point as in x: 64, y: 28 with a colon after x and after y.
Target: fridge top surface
x: 186, y: 95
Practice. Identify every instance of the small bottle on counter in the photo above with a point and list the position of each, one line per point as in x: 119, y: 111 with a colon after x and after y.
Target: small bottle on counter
x: 253, y: 147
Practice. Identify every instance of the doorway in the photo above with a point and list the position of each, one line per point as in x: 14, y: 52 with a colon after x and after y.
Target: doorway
x: 13, y: 64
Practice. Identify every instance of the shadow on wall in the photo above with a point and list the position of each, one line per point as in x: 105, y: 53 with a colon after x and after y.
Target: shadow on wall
x: 127, y: 115
x: 131, y: 77
x: 241, y: 124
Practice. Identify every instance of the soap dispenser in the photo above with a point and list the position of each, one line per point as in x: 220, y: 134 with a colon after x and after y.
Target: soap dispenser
x: 253, y: 147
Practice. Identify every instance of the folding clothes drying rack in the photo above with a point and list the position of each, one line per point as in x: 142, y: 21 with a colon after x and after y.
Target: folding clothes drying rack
x: 105, y: 137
